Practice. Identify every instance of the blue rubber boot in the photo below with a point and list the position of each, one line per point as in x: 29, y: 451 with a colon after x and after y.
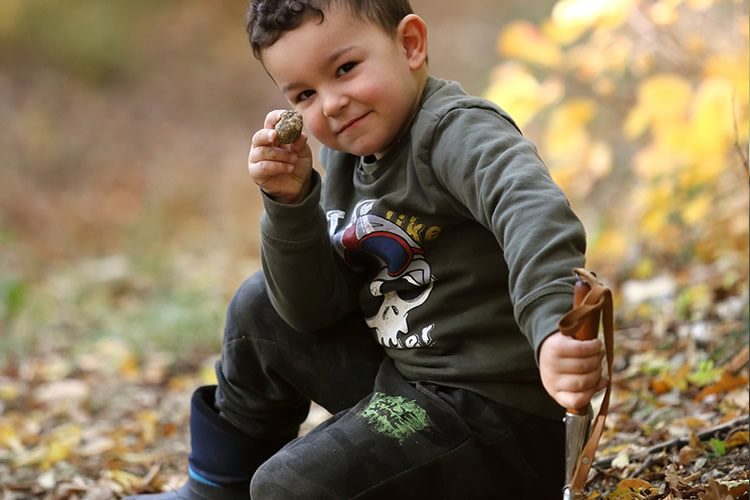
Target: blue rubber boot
x: 223, y: 458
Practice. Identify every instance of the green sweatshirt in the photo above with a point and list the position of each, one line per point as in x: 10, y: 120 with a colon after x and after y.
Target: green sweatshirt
x: 457, y: 247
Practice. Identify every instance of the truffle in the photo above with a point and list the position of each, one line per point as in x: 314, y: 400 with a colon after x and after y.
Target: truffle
x: 289, y: 126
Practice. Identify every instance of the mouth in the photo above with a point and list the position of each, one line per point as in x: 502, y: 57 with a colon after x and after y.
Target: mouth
x: 351, y: 123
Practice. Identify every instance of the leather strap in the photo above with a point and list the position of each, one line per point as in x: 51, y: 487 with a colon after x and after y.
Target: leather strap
x: 599, y: 302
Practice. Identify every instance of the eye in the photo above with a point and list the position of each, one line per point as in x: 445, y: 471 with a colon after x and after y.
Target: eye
x: 345, y: 68
x: 304, y: 95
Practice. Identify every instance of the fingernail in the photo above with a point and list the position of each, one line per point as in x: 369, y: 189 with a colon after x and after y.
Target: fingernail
x: 292, y: 158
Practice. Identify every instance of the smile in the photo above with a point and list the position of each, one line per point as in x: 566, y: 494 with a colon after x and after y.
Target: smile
x: 348, y: 125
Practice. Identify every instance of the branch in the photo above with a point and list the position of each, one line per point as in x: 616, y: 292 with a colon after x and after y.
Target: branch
x: 607, y: 461
x: 737, y: 147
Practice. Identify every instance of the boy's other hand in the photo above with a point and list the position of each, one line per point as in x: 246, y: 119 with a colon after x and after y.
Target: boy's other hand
x: 571, y: 369
x: 282, y: 171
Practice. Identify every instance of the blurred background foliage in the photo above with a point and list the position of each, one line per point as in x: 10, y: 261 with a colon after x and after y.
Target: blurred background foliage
x: 640, y: 109
x: 125, y: 208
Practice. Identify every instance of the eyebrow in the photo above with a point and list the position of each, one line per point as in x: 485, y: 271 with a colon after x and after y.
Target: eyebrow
x: 328, y: 61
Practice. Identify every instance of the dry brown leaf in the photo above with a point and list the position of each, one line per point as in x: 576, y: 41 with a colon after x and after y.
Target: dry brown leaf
x: 739, y: 361
x: 715, y: 491
x: 740, y: 491
x: 674, y: 481
x: 625, y: 494
x: 691, y: 451
x: 726, y: 383
x: 739, y: 438
x: 634, y: 483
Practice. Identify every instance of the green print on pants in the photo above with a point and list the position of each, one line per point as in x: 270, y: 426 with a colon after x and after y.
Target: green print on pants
x: 395, y: 416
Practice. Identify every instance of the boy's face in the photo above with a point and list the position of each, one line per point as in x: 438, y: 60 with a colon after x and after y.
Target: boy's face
x: 352, y: 82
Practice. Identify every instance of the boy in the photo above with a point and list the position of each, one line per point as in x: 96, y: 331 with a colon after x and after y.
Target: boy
x: 414, y: 291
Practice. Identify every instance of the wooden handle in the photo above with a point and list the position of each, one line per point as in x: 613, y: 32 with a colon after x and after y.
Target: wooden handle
x: 589, y: 329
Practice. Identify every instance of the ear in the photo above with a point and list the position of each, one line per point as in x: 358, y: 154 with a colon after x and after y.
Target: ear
x: 412, y: 34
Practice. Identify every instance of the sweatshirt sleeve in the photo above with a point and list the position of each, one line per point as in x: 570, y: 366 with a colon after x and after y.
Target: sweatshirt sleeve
x: 495, y: 174
x: 309, y: 286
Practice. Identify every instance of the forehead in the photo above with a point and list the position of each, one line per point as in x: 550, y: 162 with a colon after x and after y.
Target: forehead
x: 316, y: 40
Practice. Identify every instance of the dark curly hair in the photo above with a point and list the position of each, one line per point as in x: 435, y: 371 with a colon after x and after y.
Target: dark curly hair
x: 267, y: 20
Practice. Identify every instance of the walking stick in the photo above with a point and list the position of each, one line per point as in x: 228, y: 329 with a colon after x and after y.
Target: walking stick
x: 592, y: 301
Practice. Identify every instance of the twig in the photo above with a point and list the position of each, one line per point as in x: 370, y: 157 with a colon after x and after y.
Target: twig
x: 737, y: 147
x: 738, y: 362
x: 645, y: 465
x: 607, y: 461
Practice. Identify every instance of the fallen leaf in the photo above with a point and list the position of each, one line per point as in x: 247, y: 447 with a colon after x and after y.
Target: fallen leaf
x: 634, y: 484
x: 740, y: 491
x: 715, y: 491
x: 692, y: 450
x: 739, y: 438
x: 622, y: 460
x: 726, y: 383
x: 625, y: 494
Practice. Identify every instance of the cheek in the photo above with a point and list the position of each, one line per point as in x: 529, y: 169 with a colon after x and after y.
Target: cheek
x: 316, y: 124
x: 373, y: 92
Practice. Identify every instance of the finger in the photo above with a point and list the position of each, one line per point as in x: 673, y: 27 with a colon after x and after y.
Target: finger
x: 574, y: 399
x: 272, y: 118
x: 262, y: 171
x: 579, y: 383
x: 299, y: 145
x: 265, y: 137
x: 568, y: 347
x: 579, y: 365
x: 274, y: 154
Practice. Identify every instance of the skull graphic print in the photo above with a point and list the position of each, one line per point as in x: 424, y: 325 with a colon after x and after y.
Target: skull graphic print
x: 400, y: 277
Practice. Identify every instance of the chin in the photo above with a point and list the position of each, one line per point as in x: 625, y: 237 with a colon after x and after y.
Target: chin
x: 378, y: 150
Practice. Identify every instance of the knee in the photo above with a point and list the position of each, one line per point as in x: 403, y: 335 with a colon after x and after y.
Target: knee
x: 249, y: 306
x: 274, y: 480
x: 251, y: 293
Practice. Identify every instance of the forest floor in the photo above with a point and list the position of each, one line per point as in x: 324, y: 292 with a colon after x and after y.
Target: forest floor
x: 104, y: 419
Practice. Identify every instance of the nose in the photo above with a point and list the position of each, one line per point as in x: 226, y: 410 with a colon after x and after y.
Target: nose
x: 333, y: 103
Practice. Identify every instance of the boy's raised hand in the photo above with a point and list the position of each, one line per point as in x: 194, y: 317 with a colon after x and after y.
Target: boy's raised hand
x: 571, y: 369
x: 282, y: 171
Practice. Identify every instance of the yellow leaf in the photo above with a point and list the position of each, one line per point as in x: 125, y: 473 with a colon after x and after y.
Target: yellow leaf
x: 566, y: 134
x: 732, y: 66
x: 9, y: 391
x: 587, y: 13
x: 147, y: 420
x: 696, y: 209
x: 62, y: 441
x: 9, y: 438
x: 125, y: 479
x: 517, y: 91
x: 522, y: 40
x: 563, y: 34
x: 663, y: 13
x: 712, y: 123
x: 700, y: 5
x: 612, y: 244
x: 662, y: 99
x: 739, y: 438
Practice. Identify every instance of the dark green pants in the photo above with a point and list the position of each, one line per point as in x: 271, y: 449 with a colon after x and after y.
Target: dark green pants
x: 389, y: 438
